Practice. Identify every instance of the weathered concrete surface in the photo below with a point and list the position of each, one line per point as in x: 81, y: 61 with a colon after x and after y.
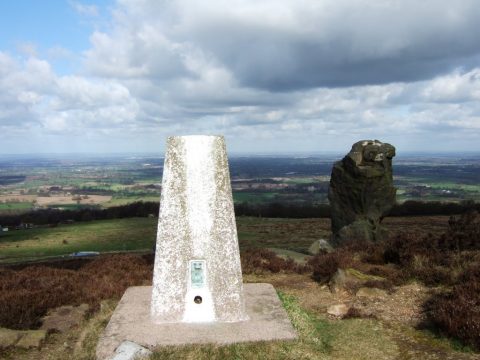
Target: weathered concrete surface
x: 131, y: 321
x: 361, y: 192
x: 197, y: 223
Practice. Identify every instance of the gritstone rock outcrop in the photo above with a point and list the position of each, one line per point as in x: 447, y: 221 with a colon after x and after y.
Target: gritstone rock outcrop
x: 361, y: 192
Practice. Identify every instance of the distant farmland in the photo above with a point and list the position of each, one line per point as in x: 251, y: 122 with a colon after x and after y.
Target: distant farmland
x: 111, y: 181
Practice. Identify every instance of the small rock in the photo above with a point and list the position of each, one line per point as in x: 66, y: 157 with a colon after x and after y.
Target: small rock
x: 318, y: 245
x: 8, y: 338
x: 78, y: 347
x: 345, y: 281
x: 338, y: 310
x: 129, y: 350
x: 64, y: 318
x: 370, y: 292
x: 359, y: 276
x: 31, y: 339
x: 337, y: 282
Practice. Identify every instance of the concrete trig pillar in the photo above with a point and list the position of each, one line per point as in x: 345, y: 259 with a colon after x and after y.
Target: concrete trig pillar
x: 197, y: 274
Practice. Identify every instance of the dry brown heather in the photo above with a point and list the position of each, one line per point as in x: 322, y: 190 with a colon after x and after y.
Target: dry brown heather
x: 27, y: 294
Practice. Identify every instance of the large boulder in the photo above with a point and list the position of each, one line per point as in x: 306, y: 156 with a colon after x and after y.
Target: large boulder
x: 361, y: 192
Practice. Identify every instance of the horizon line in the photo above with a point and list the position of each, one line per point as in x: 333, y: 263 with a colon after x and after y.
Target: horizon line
x: 237, y: 153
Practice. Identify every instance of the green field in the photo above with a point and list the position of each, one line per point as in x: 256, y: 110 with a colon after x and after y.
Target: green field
x: 101, y: 235
x: 15, y: 206
x: 117, y: 201
x: 301, y: 180
x: 72, y: 206
x: 265, y: 197
x: 139, y: 234
x: 254, y: 197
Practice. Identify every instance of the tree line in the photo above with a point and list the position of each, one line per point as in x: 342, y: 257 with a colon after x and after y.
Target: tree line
x: 407, y: 208
x: 55, y: 216
x: 272, y: 210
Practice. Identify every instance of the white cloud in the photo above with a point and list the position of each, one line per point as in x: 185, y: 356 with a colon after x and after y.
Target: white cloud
x: 455, y: 87
x: 36, y: 99
x: 27, y: 48
x: 59, y: 53
x: 284, y: 45
x: 84, y: 9
x: 271, y: 75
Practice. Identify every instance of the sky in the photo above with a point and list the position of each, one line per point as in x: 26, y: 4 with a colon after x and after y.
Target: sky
x: 272, y: 76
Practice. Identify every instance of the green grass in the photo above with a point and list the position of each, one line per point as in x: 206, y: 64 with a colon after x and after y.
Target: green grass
x: 254, y: 197
x: 72, y: 206
x: 139, y: 234
x: 260, y: 197
x: 117, y: 201
x: 301, y: 180
x: 450, y: 185
x: 101, y: 235
x: 15, y: 206
x: 103, y: 186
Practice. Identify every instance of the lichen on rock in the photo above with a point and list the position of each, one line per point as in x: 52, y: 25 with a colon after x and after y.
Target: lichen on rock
x: 361, y: 192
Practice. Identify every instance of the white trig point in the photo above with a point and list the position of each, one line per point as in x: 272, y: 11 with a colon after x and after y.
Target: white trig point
x: 197, y: 274
x: 197, y: 295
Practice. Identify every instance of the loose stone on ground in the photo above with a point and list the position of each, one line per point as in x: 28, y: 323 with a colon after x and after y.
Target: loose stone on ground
x: 129, y: 350
x: 8, y: 338
x: 64, y: 318
x: 371, y: 292
x: 338, y: 310
x: 31, y: 339
x: 24, y: 339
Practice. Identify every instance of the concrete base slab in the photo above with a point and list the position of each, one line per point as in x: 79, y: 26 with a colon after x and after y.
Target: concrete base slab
x: 131, y: 321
